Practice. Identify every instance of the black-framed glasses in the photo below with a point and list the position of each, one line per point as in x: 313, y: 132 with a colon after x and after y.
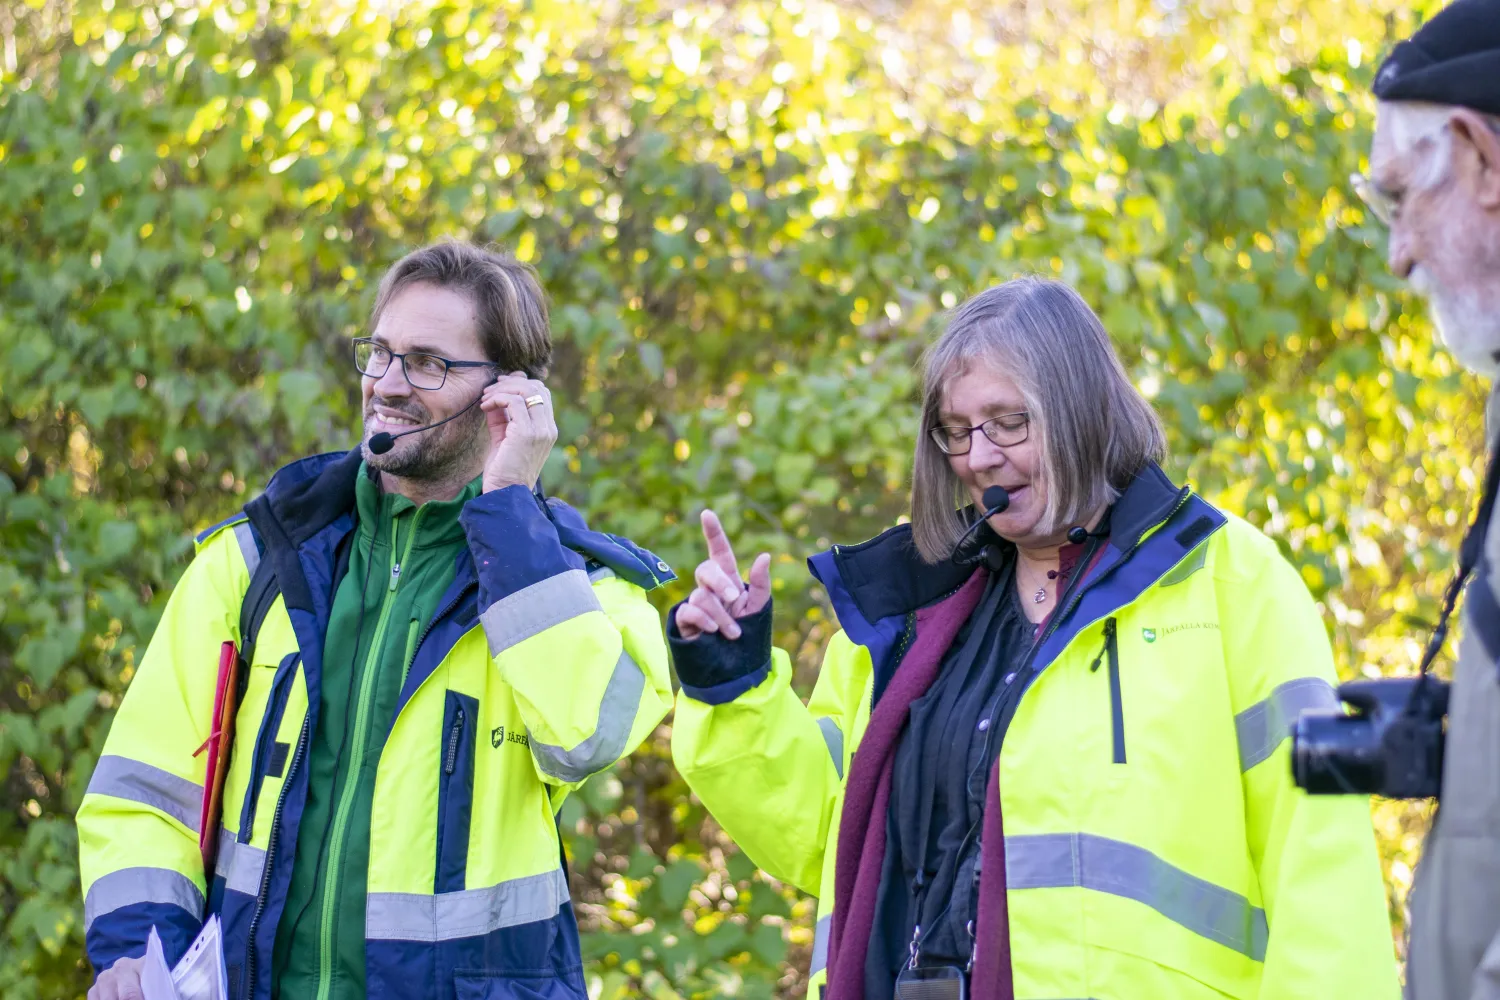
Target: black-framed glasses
x: 423, y: 371
x: 1005, y: 430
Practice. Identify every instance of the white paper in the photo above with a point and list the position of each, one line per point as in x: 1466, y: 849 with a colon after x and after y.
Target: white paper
x: 201, y: 974
x: 156, y: 979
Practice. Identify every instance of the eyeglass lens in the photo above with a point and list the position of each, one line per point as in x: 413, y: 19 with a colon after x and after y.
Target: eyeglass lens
x: 1005, y: 430
x: 423, y: 371
x: 1377, y: 200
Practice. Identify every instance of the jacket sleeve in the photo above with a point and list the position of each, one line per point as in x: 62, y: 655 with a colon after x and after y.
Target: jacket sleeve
x: 1453, y: 914
x: 584, y: 657
x: 138, y: 822
x: 768, y: 768
x: 1320, y: 880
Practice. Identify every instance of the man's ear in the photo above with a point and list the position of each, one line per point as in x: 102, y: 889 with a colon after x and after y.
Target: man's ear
x: 1484, y: 138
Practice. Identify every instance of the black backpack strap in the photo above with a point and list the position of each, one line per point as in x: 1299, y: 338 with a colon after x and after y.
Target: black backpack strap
x: 259, y: 597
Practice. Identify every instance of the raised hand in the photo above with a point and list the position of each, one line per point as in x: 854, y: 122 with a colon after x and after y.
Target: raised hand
x: 521, y: 433
x: 720, y: 597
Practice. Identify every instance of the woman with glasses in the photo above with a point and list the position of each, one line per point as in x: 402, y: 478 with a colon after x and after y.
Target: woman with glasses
x: 1046, y: 755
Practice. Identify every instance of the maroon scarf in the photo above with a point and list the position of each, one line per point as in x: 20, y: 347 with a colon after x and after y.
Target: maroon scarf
x: 867, y: 796
x: 990, y: 979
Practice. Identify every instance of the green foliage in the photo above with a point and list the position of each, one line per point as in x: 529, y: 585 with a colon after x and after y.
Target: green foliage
x: 750, y: 218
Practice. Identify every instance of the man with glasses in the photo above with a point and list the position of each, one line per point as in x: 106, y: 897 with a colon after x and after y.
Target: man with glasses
x: 432, y: 655
x: 1435, y: 181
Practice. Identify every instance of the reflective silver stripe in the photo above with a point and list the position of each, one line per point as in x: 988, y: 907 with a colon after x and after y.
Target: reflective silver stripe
x: 535, y: 609
x: 247, y: 546
x: 409, y: 916
x: 602, y: 573
x: 1263, y: 726
x: 123, y: 778
x: 240, y: 865
x: 1192, y: 564
x: 617, y: 710
x: 1062, y: 860
x: 834, y: 737
x: 820, y: 945
x: 133, y: 886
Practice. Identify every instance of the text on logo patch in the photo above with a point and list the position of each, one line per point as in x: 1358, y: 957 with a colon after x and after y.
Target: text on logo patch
x: 497, y: 737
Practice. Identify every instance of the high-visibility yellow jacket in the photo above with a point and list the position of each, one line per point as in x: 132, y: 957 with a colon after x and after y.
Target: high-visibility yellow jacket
x: 544, y: 665
x: 1156, y: 847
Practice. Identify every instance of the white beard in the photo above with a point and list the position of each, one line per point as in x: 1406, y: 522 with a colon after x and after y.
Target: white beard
x: 1469, y: 327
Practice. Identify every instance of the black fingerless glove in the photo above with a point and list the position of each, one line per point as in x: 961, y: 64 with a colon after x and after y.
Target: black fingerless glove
x: 716, y: 670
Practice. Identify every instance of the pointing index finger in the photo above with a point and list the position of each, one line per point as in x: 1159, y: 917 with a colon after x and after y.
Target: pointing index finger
x: 719, y: 549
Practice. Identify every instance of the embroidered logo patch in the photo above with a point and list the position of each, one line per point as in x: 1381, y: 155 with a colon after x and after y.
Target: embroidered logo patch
x: 497, y: 737
x: 1152, y: 634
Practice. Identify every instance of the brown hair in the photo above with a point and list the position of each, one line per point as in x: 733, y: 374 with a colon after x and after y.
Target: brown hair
x: 509, y: 304
x: 1096, y: 431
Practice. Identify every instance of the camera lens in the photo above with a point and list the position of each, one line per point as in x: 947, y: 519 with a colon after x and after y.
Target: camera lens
x: 1335, y: 754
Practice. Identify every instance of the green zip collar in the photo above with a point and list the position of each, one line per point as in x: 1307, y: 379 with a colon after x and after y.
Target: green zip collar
x: 376, y: 509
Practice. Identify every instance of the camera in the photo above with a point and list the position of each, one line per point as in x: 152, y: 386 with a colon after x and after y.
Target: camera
x: 1390, y: 744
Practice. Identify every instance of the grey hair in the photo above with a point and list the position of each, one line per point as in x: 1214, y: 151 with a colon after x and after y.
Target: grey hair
x: 509, y: 304
x: 1096, y: 432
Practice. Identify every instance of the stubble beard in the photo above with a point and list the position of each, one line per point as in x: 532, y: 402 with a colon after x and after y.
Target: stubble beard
x: 441, y: 455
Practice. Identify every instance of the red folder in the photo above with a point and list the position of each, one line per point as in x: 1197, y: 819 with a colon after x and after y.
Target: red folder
x: 218, y: 744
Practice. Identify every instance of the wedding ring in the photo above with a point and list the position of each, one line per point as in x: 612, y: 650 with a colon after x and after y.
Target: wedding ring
x: 536, y: 400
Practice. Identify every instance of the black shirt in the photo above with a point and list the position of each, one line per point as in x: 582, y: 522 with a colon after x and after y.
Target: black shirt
x: 938, y: 783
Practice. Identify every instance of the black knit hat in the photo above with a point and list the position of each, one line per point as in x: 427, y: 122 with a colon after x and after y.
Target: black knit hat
x: 1453, y: 59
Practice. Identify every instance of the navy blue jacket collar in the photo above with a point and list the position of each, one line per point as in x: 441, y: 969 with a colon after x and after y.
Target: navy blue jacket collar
x: 886, y: 576
x: 309, y: 495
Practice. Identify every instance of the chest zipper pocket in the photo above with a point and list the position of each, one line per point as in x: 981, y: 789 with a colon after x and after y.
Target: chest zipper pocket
x: 1110, y: 652
x: 455, y: 790
x: 268, y: 755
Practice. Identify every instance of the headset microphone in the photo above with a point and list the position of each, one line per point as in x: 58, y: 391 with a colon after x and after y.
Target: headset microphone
x: 995, y: 500
x: 383, y: 442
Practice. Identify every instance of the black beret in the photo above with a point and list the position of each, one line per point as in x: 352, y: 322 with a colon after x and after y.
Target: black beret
x: 1453, y: 59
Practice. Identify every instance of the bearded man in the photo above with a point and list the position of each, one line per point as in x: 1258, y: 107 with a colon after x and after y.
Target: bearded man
x: 1435, y: 180
x: 433, y: 654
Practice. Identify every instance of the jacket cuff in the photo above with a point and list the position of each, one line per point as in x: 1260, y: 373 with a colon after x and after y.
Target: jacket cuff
x: 514, y: 543
x: 716, y: 670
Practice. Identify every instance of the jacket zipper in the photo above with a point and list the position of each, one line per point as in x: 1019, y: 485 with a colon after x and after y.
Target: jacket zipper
x: 450, y: 760
x: 263, y: 895
x: 356, y: 764
x: 904, y: 641
x: 432, y: 622
x: 280, y: 689
x: 446, y: 786
x: 1111, y: 651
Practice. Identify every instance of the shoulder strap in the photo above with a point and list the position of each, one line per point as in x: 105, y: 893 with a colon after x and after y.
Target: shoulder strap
x: 258, y: 599
x: 1470, y: 552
